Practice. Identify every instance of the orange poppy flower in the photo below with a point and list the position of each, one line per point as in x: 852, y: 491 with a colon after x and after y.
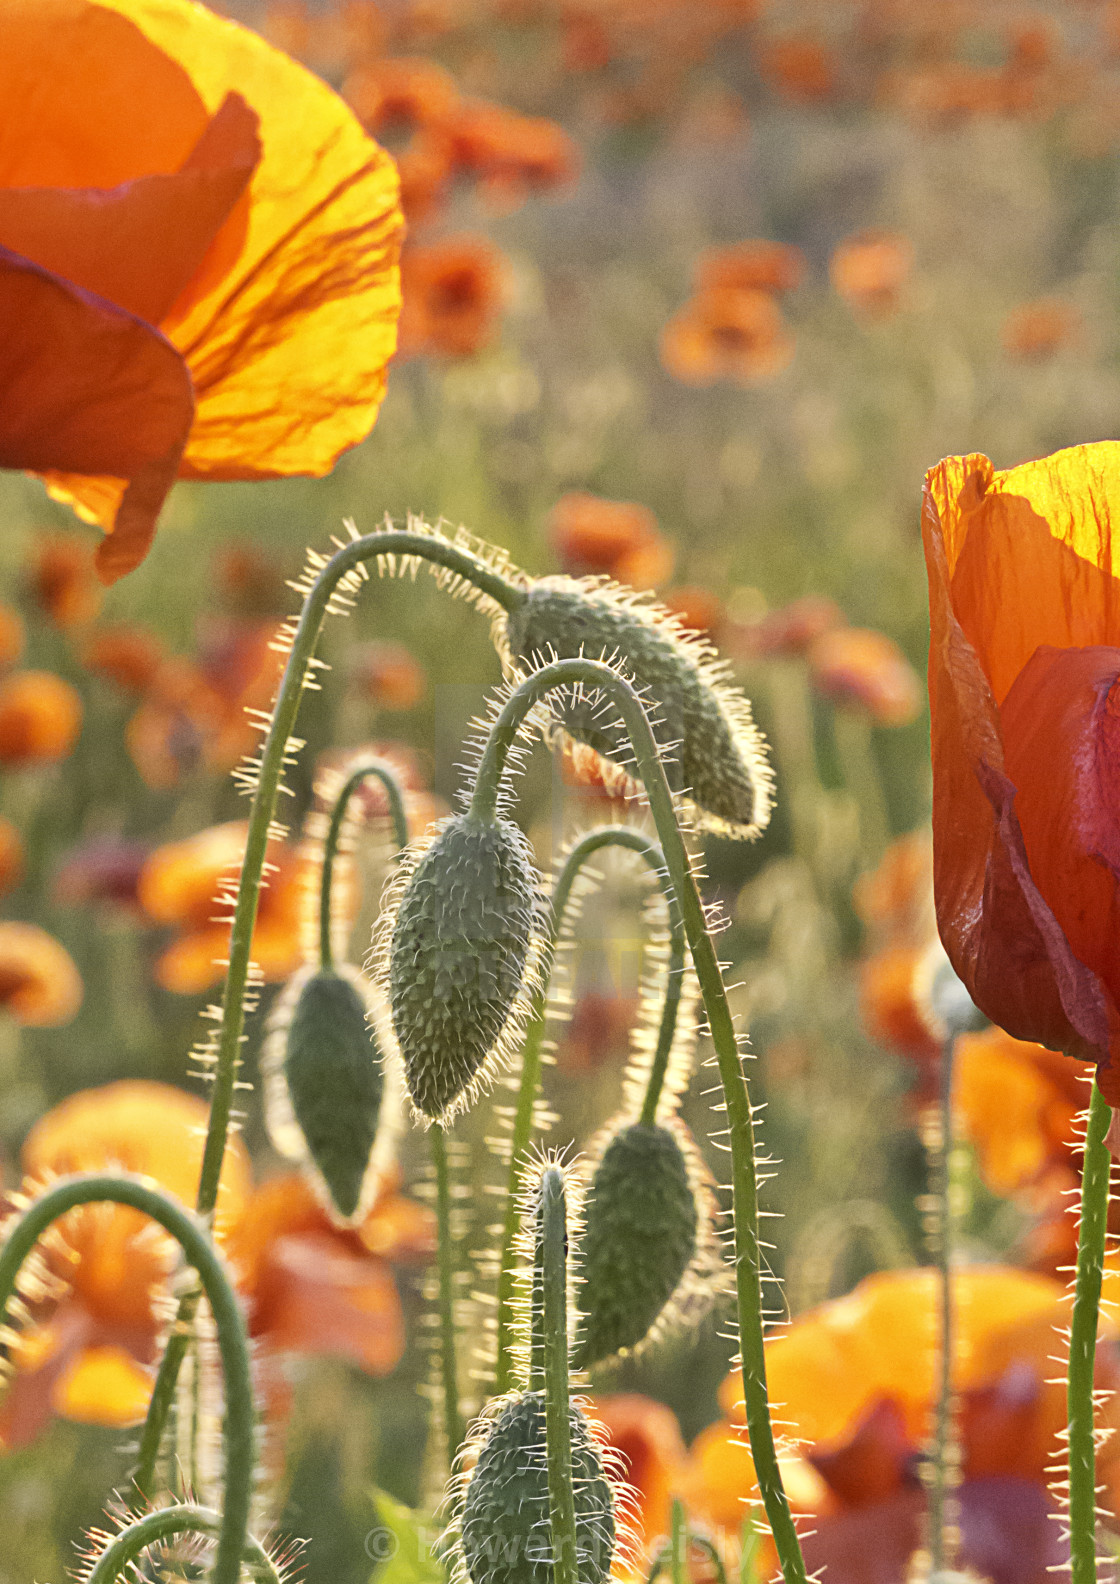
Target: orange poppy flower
x: 788, y: 632
x: 698, y: 609
x: 1036, y: 330
x: 510, y: 154
x: 726, y: 334
x: 188, y: 883
x: 40, y: 718
x: 11, y: 856
x: 425, y: 169
x: 62, y: 582
x: 128, y: 656
x: 453, y: 295
x: 893, y: 1005
x: 1023, y: 672
x: 88, y: 1355
x: 11, y: 636
x: 751, y: 266
x: 869, y: 271
x: 1016, y: 1103
x: 855, y: 1382
x: 858, y: 668
x: 617, y: 538
x: 197, y: 260
x: 798, y: 68
x: 313, y: 1288
x: 104, y: 870
x: 598, y: 1031
x: 39, y: 985
x: 405, y: 92
x: 895, y: 899
x: 387, y: 675
x: 648, y: 1438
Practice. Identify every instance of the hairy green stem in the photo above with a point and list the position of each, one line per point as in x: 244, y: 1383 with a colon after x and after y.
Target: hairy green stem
x: 557, y: 1420
x: 363, y: 771
x: 532, y: 1052
x: 185, y: 1228
x: 449, y: 1377
x: 1083, y: 1344
x: 744, y: 1182
x: 125, y: 1548
x: 394, y: 543
x: 941, y: 1549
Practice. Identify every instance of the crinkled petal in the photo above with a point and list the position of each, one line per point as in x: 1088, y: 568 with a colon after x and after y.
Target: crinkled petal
x: 89, y: 388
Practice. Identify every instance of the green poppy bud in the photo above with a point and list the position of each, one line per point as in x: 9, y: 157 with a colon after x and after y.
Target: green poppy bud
x: 457, y: 949
x: 714, y: 754
x: 504, y: 1530
x: 646, y: 1240
x: 326, y: 1100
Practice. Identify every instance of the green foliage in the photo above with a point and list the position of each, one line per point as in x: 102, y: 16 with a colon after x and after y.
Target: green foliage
x: 460, y: 949
x: 333, y: 1075
x: 640, y: 1235
x: 399, y: 1544
x: 505, y: 1533
x: 712, y: 752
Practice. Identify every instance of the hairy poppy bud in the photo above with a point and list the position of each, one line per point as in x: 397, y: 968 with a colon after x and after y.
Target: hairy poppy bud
x: 326, y: 1088
x: 504, y: 1528
x: 713, y: 752
x: 647, y: 1231
x: 457, y: 953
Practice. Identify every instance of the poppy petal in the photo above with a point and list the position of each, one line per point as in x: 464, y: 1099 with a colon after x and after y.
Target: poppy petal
x: 103, y: 1385
x: 138, y: 244
x: 289, y: 344
x: 316, y: 1296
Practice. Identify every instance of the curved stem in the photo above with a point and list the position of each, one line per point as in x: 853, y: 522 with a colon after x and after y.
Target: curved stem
x: 386, y: 774
x: 744, y: 1182
x: 678, y: 1543
x: 1083, y: 1344
x: 558, y: 1427
x: 185, y: 1518
x: 240, y: 1427
x: 939, y: 1518
x: 532, y: 1053
x: 393, y: 544
x: 452, y: 1417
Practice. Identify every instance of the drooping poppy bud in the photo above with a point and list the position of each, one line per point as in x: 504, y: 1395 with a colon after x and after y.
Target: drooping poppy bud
x: 456, y: 950
x: 326, y: 1085
x: 713, y: 753
x: 647, y: 1238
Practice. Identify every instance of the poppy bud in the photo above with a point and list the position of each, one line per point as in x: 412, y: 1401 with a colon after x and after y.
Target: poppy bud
x: 712, y: 751
x: 325, y: 1082
x: 646, y: 1231
x: 504, y: 1529
x: 460, y: 930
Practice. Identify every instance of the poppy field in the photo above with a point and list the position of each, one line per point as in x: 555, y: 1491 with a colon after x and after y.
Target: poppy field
x: 559, y: 791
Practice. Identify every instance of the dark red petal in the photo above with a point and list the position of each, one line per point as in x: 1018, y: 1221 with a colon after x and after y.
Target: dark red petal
x: 87, y: 388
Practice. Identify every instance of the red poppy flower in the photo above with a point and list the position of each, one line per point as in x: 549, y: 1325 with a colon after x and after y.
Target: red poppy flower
x: 1024, y: 697
x: 197, y: 260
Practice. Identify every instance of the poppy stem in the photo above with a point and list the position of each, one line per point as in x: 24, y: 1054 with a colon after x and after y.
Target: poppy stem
x: 1083, y: 1343
x: 594, y: 674
x: 533, y: 1049
x: 387, y: 775
x: 393, y: 548
x: 939, y: 1145
x: 193, y: 1239
x: 452, y: 1416
x: 126, y: 1547
x: 557, y: 1412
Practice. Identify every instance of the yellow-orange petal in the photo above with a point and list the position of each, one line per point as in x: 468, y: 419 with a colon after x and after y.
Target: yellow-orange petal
x: 648, y: 1437
x: 11, y: 636
x: 316, y: 1296
x: 40, y: 986
x: 103, y: 1385
x: 11, y: 856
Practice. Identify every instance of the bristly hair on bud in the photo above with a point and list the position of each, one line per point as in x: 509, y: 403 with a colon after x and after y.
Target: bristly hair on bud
x: 649, y: 1259
x: 332, y: 1086
x: 714, y: 754
x: 457, y: 954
